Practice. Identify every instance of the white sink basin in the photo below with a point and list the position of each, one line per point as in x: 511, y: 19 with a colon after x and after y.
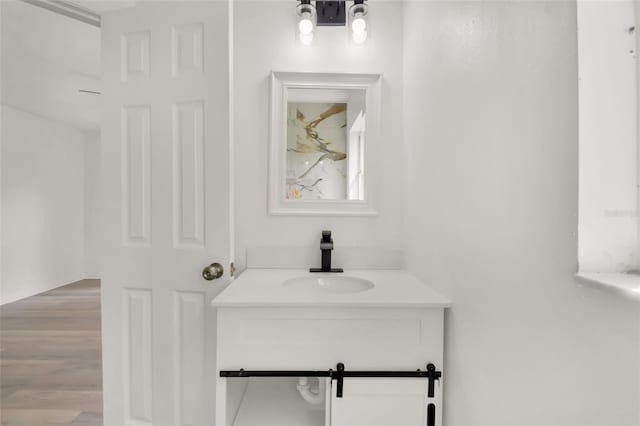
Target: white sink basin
x: 330, y: 284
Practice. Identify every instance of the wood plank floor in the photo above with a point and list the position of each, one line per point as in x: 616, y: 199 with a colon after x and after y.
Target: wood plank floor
x: 51, y: 358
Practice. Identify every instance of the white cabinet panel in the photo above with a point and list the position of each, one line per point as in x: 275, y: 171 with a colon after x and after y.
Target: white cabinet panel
x: 319, y: 338
x: 380, y: 402
x: 404, y: 331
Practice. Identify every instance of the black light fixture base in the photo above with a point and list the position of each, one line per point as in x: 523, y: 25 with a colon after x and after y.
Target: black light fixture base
x: 331, y: 13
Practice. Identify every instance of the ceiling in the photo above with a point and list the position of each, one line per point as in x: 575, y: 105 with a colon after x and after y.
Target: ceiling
x: 46, y: 58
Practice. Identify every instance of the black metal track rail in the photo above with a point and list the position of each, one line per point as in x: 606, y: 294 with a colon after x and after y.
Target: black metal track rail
x: 274, y: 373
x: 431, y: 374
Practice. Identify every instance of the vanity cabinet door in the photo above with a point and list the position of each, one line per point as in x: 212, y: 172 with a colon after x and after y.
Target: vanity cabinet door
x: 380, y: 402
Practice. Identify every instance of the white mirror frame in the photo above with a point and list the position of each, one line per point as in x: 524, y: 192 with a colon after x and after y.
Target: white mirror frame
x: 281, y: 82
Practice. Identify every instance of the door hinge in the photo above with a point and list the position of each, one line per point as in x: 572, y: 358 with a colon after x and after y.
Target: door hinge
x: 232, y: 269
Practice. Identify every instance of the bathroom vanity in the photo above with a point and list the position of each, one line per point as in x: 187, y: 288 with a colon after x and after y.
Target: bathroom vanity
x: 365, y: 336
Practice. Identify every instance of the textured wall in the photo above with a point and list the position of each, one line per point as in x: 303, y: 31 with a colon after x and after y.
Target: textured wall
x: 491, y: 123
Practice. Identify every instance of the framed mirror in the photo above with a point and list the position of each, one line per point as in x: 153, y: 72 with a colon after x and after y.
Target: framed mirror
x: 324, y: 130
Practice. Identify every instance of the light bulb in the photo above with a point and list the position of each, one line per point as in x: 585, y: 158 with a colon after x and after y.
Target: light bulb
x: 359, y: 38
x: 357, y: 14
x: 358, y: 25
x: 305, y: 25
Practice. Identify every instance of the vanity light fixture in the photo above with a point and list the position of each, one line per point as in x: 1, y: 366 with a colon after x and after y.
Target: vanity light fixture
x: 358, y: 21
x: 306, y: 21
x: 329, y: 13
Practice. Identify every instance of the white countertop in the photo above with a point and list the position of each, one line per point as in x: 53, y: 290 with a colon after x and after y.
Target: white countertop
x: 392, y: 288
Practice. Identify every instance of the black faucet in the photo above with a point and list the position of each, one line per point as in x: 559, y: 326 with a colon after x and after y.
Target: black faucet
x: 326, y: 245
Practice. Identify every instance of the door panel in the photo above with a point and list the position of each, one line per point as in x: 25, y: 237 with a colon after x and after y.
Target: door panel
x: 380, y: 402
x: 188, y: 174
x: 165, y: 156
x: 189, y: 357
x: 138, y: 360
x: 136, y: 175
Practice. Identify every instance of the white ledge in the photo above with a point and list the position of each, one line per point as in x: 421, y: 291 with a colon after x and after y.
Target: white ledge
x: 626, y: 284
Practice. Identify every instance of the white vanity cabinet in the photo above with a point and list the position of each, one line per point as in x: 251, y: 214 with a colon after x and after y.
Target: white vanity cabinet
x: 272, y: 331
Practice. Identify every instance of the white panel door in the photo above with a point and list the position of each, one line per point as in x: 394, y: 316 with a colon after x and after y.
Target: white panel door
x: 165, y: 139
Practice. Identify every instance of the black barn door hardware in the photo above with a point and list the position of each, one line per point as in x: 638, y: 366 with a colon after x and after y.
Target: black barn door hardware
x: 431, y: 414
x: 339, y: 374
x: 339, y: 379
x: 432, y: 375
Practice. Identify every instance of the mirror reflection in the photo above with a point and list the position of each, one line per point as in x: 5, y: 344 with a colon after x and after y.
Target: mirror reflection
x: 325, y: 144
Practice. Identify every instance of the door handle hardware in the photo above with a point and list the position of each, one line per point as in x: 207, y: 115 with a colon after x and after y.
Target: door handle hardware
x: 431, y: 415
x: 213, y: 271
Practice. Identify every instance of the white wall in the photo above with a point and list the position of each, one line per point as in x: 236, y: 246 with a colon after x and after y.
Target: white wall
x: 42, y: 204
x: 491, y: 124
x: 92, y: 206
x: 45, y: 58
x: 608, y: 223
x: 265, y: 40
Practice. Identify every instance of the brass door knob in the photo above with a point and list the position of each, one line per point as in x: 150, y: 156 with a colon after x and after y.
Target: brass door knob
x: 213, y: 271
